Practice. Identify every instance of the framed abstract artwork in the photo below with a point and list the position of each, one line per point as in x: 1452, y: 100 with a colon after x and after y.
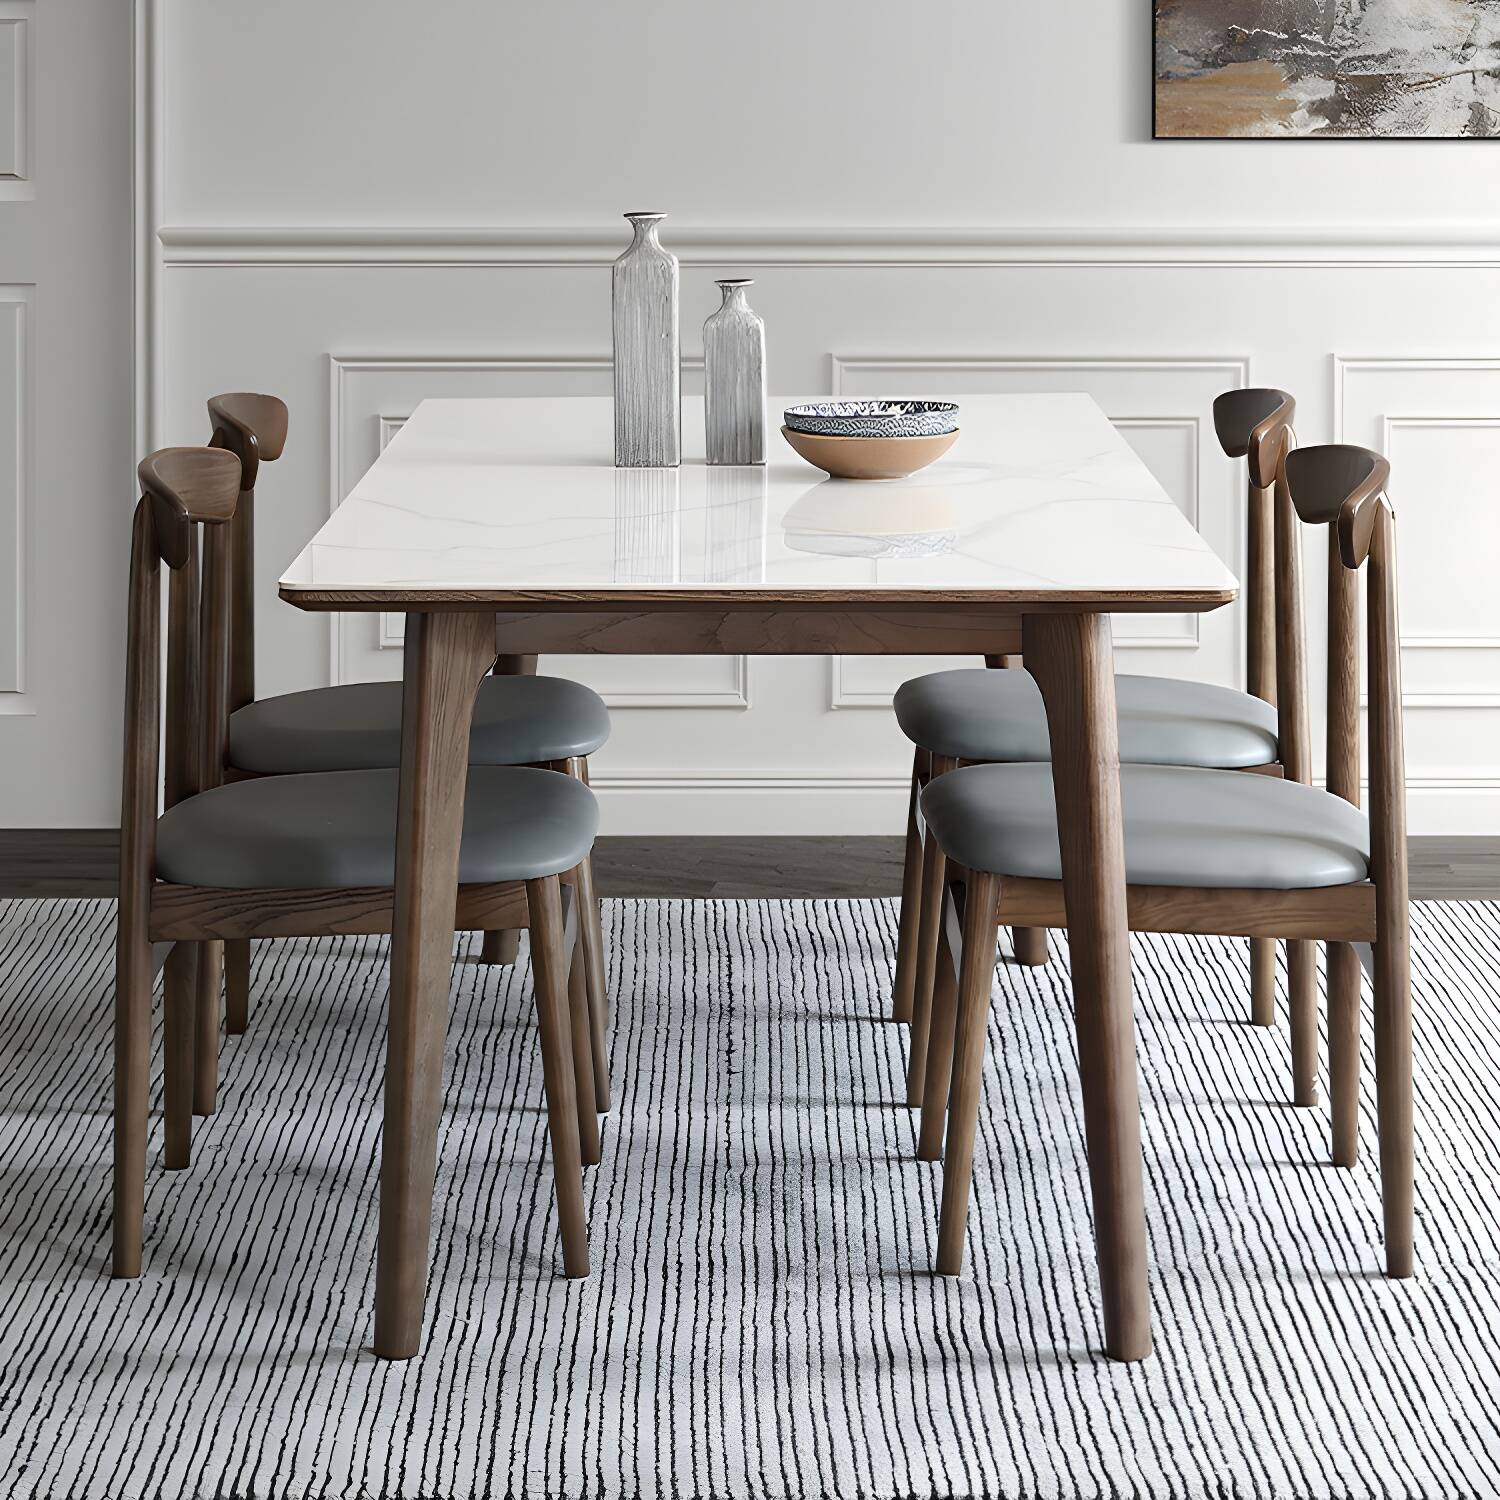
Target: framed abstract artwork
x: 1385, y: 69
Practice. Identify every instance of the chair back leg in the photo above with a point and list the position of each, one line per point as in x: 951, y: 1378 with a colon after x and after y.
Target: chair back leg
x: 206, y: 1028
x: 911, y: 898
x: 1343, y: 1051
x: 179, y: 1028
x: 236, y: 986
x: 1262, y: 981
x: 1302, y: 990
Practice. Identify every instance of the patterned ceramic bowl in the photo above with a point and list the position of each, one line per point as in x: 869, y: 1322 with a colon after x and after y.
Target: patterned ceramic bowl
x: 873, y: 418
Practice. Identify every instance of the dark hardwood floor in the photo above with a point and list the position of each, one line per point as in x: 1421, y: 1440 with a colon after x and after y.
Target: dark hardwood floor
x: 81, y: 862
x: 58, y: 861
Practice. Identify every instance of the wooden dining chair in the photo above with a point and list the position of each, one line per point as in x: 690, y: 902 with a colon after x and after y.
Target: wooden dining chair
x: 302, y: 854
x: 520, y: 719
x: 1212, y: 852
x: 978, y: 716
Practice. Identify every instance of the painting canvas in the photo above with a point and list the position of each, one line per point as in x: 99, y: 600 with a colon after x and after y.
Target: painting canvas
x: 1379, y: 68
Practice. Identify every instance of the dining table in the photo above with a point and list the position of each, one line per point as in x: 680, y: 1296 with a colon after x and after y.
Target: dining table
x: 501, y: 529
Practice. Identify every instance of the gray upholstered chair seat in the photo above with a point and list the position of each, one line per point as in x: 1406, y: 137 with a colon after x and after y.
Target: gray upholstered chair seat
x: 518, y: 721
x: 983, y: 714
x: 1183, y: 826
x: 337, y: 829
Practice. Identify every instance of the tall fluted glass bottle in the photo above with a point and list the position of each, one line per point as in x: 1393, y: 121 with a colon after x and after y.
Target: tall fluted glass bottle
x: 734, y: 379
x: 648, y: 381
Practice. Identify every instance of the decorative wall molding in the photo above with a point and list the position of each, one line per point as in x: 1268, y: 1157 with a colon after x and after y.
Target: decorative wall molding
x: 842, y: 366
x: 17, y: 474
x: 1375, y: 400
x: 16, y: 112
x: 1476, y: 244
x: 1346, y: 366
x: 1452, y: 698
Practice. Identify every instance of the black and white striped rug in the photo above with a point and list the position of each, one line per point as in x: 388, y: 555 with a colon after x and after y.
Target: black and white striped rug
x: 760, y: 1321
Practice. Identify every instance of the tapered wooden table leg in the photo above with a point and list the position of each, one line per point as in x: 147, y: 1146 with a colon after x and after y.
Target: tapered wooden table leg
x: 1072, y: 659
x: 446, y: 654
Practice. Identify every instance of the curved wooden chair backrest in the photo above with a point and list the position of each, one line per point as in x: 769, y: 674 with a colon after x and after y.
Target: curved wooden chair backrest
x: 1343, y: 488
x: 182, y: 490
x: 252, y: 427
x: 184, y: 486
x: 1256, y: 425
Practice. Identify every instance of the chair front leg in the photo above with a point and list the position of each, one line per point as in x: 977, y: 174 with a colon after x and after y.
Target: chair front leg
x: 549, y: 969
x: 976, y: 975
x: 580, y: 1033
x: 591, y: 936
x: 1393, y: 1090
x: 133, y: 985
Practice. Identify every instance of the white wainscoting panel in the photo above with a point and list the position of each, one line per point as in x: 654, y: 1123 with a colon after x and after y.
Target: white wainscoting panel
x: 16, y: 459
x: 1438, y: 421
x: 15, y: 98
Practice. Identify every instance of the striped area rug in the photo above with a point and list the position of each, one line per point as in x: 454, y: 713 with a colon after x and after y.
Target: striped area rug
x: 760, y: 1321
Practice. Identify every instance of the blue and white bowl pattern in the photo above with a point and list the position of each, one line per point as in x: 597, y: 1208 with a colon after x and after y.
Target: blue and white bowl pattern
x: 879, y: 419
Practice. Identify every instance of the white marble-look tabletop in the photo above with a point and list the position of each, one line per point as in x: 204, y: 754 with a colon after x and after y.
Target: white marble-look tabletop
x: 517, y: 500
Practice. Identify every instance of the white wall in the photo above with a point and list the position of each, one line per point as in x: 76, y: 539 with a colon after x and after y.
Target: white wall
x: 356, y: 204
x: 65, y: 421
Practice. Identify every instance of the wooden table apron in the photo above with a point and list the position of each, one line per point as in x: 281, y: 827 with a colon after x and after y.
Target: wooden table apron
x: 449, y: 647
